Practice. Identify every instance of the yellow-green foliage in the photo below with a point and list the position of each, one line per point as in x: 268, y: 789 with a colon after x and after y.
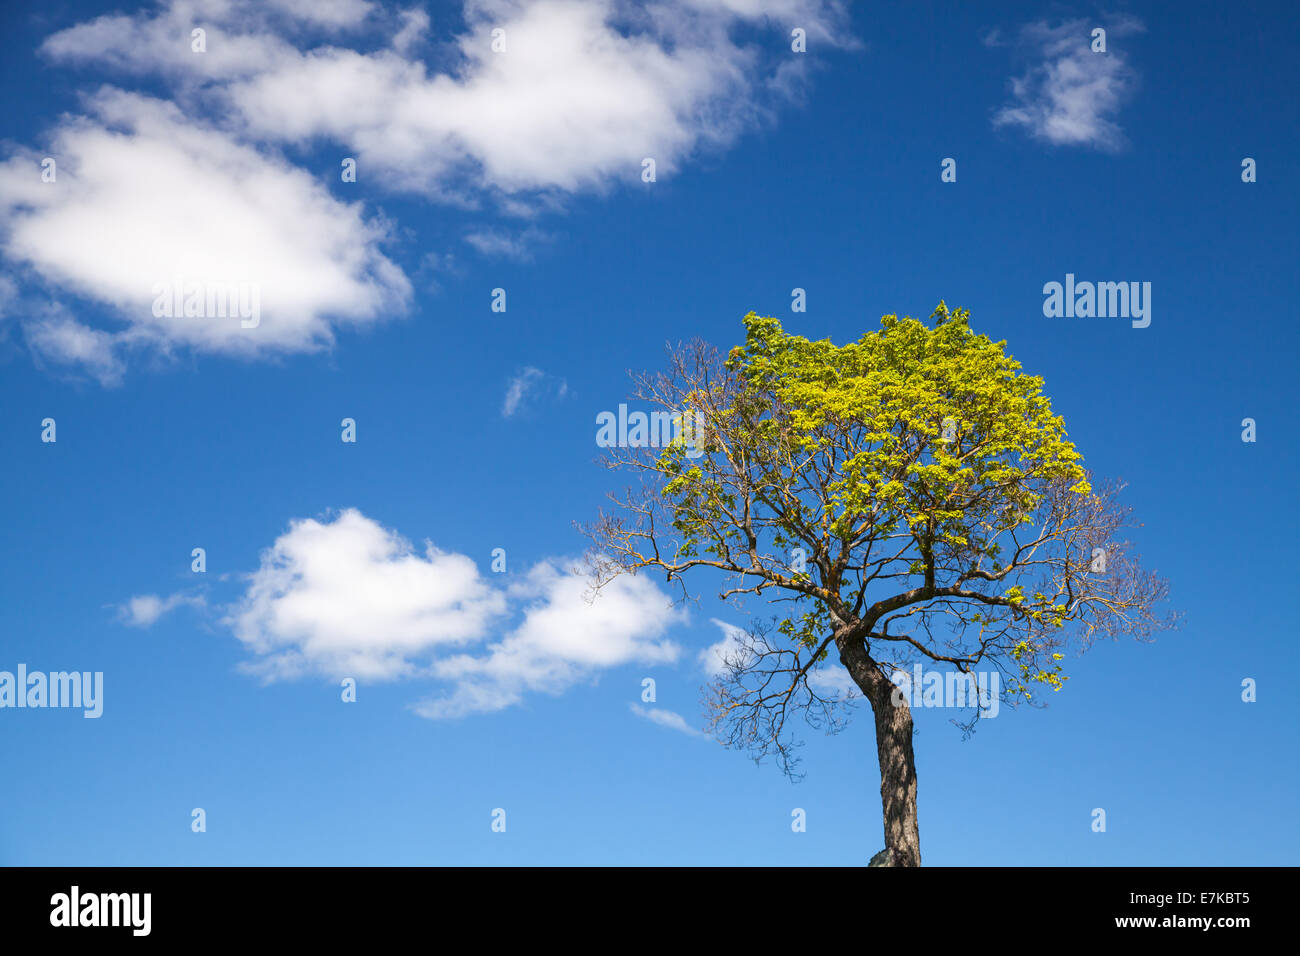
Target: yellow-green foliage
x: 871, y: 415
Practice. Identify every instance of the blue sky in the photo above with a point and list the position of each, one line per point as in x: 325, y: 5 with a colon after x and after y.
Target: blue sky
x: 476, y: 171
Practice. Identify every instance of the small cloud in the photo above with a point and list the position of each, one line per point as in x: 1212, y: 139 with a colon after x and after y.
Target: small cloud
x: 61, y: 340
x: 993, y: 38
x: 144, y: 610
x: 665, y: 718
x: 715, y: 658
x: 833, y: 681
x: 434, y: 266
x: 739, y: 647
x: 529, y: 384
x: 1070, y: 95
x: 519, y: 389
x: 517, y: 246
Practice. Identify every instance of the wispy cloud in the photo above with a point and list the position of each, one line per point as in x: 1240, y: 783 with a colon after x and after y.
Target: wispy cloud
x: 529, y: 384
x: 508, y: 245
x: 56, y: 338
x: 144, y: 610
x: 8, y: 295
x: 715, y: 658
x: 739, y: 648
x: 1070, y: 95
x: 519, y: 389
x: 665, y: 718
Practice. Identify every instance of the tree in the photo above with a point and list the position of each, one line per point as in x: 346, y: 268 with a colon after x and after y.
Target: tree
x: 909, y: 497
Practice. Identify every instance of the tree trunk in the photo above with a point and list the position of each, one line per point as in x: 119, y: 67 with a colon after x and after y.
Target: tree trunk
x: 894, y: 750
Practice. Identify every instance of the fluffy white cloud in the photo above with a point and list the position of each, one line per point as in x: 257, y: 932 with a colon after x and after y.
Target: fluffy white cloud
x: 146, y: 201
x: 349, y: 598
x: 665, y: 718
x: 567, y: 634
x: 146, y: 43
x: 144, y: 610
x: 570, y: 101
x: 581, y: 93
x: 241, y: 37
x: 1070, y: 95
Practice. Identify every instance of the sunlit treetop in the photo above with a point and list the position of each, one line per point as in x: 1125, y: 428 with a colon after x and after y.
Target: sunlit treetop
x: 912, y: 493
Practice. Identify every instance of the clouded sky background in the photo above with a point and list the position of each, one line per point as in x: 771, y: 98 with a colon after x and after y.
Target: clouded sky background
x: 522, y: 171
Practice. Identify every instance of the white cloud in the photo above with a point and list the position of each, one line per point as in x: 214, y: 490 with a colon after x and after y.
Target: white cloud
x: 571, y: 102
x: 242, y: 37
x: 1070, y: 96
x: 530, y: 385
x: 148, y: 190
x: 665, y: 718
x: 831, y: 679
x: 331, y: 13
x: 144, y: 198
x: 584, y: 90
x: 714, y: 658
x: 147, y: 43
x: 828, y: 678
x: 567, y: 634
x: 415, y: 27
x: 144, y: 610
x: 519, y: 389
x: 349, y: 598
x: 62, y: 340
x: 517, y: 246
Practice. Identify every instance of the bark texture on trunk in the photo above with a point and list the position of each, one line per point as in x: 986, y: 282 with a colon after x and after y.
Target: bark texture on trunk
x: 894, y: 750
